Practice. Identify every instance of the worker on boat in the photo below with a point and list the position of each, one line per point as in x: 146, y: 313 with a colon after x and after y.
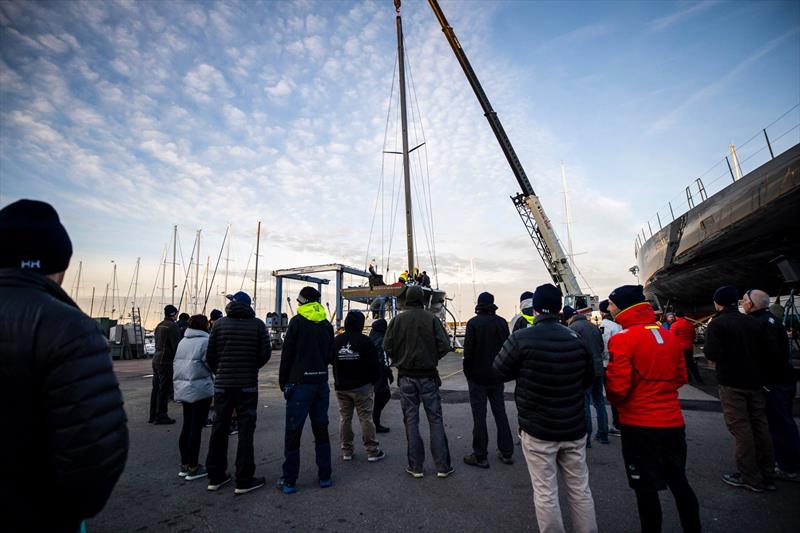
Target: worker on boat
x: 425, y: 280
x: 404, y: 276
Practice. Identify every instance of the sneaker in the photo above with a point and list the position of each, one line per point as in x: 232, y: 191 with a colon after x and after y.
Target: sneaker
x: 614, y: 432
x: 285, y: 488
x: 381, y: 429
x: 375, y: 458
x: 209, y: 421
x: 250, y: 486
x: 325, y: 483
x: 347, y: 457
x: 216, y: 485
x: 196, y: 473
x: 472, y: 460
x: 234, y: 428
x: 505, y: 460
x: 414, y: 473
x: 163, y: 421
x: 735, y: 480
x: 443, y: 475
x: 786, y: 476
x: 183, y: 471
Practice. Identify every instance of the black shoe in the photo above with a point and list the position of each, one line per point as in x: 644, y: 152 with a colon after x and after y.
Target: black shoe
x: 735, y: 480
x: 505, y: 460
x: 250, y: 486
x: 214, y: 485
x: 381, y: 429
x: 472, y: 460
x: 163, y: 421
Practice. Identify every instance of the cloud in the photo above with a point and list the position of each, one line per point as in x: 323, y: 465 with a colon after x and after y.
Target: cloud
x: 578, y: 36
x: 282, y: 88
x: 203, y: 82
x: 662, y: 23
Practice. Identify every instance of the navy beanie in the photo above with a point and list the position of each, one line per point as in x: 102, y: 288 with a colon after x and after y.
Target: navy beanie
x: 547, y: 299
x: 604, y: 306
x: 33, y: 238
x: 308, y: 294
x: 170, y: 310
x: 727, y: 296
x: 216, y: 314
x: 569, y: 312
x: 627, y: 295
x: 527, y: 295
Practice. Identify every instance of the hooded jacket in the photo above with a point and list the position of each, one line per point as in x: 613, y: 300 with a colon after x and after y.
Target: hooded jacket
x: 684, y: 332
x: 415, y: 339
x: 736, y: 344
x: 376, y: 335
x: 553, y: 369
x: 592, y: 338
x: 166, y: 337
x: 355, y: 360
x: 65, y: 440
x: 238, y: 347
x: 191, y: 378
x: 645, y: 370
x: 307, y: 347
x: 486, y: 332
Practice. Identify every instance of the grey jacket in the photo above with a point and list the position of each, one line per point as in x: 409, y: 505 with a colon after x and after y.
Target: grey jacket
x: 191, y: 376
x: 592, y: 339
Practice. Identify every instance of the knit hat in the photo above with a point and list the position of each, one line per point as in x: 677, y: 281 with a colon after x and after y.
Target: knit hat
x: 604, y: 306
x: 32, y: 238
x: 240, y: 296
x: 726, y: 296
x: 627, y: 295
x: 485, y: 302
x: 308, y: 294
x: 569, y: 312
x: 526, y: 302
x: 547, y: 299
x: 216, y: 314
x: 170, y: 310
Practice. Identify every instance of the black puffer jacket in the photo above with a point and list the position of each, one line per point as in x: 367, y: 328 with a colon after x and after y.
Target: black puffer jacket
x: 485, y: 335
x: 355, y: 361
x: 307, y: 348
x: 237, y: 347
x: 735, y: 343
x: 553, y: 369
x: 65, y: 436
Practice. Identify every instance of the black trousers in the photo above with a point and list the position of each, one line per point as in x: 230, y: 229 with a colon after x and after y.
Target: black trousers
x: 691, y: 366
x: 194, y: 418
x: 478, y: 395
x: 245, y: 402
x: 162, y: 390
x: 382, y: 396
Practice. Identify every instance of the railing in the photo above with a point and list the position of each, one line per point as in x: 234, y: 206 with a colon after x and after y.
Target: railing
x: 697, y: 191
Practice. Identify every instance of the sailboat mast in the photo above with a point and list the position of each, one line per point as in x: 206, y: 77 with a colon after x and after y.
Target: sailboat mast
x: 567, y: 217
x: 255, y: 279
x: 404, y: 122
x: 78, y: 282
x: 174, y: 254
x: 197, y: 274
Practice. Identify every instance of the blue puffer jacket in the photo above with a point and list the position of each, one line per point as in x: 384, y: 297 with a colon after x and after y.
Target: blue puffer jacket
x: 191, y: 376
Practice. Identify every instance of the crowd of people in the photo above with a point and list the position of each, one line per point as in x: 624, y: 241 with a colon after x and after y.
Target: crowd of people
x: 74, y: 441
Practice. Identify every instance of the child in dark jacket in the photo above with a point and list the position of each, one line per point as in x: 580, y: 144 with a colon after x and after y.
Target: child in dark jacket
x: 355, y: 369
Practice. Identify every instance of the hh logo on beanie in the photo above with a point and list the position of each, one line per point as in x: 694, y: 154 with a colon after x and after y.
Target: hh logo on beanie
x: 30, y: 263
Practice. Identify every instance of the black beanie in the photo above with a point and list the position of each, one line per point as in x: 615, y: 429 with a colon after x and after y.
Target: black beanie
x: 170, y: 310
x: 627, y: 295
x: 308, y: 294
x: 216, y: 314
x: 525, y: 296
x: 32, y: 238
x: 485, y: 298
x: 547, y: 299
x: 727, y: 296
x: 604, y: 306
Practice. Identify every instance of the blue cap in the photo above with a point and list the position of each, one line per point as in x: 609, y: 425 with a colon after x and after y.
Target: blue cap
x: 240, y: 296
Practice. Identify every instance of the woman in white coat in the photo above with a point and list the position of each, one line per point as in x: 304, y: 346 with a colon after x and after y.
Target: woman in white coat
x: 194, y: 388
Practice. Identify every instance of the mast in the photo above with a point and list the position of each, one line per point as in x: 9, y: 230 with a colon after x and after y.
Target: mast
x: 567, y: 217
x: 174, y: 253
x: 404, y: 121
x: 227, y: 260
x: 163, y: 275
x: 135, y: 282
x: 197, y: 274
x: 78, y: 283
x: 255, y: 279
x: 105, y: 299
x: 91, y: 308
x: 113, y: 289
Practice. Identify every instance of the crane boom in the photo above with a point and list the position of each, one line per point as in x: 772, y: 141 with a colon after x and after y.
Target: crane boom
x: 527, y: 203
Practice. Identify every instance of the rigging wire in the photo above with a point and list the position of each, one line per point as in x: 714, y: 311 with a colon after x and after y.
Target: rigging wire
x: 213, y: 276
x: 155, y: 285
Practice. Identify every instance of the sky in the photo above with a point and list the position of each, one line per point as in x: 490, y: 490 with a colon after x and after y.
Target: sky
x: 131, y: 117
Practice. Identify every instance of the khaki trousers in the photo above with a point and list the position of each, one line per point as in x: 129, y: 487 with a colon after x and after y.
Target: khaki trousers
x: 546, y: 460
x: 745, y: 412
x: 361, y: 403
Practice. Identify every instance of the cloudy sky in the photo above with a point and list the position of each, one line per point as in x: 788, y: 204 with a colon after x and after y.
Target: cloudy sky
x: 130, y: 117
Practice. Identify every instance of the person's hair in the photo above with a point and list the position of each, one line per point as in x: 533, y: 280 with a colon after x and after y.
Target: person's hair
x: 183, y: 316
x: 759, y: 298
x: 198, y: 322
x: 680, y: 314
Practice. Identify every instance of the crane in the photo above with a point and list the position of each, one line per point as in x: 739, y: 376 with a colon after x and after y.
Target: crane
x: 526, y: 202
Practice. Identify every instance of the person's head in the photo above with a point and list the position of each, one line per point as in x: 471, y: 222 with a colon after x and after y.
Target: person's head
x: 680, y: 314
x: 485, y: 303
x: 415, y: 297
x: 569, y: 313
x: 603, y: 306
x: 624, y: 297
x: 33, y: 238
x: 526, y: 303
x: 354, y: 321
x: 726, y: 297
x: 170, y: 312
x: 307, y: 295
x: 755, y: 300
x: 379, y: 326
x: 183, y: 317
x: 240, y: 297
x: 215, y: 315
x: 546, y: 299
x: 199, y: 322
x: 670, y: 317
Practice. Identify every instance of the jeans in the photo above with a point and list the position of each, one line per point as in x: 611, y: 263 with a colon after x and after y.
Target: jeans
x: 361, y: 402
x: 547, y: 461
x: 382, y: 396
x: 162, y: 389
x: 413, y: 392
x: 307, y: 400
x: 745, y: 412
x: 478, y: 395
x: 691, y: 366
x: 194, y: 418
x: 594, y: 395
x: 782, y: 427
x: 245, y: 402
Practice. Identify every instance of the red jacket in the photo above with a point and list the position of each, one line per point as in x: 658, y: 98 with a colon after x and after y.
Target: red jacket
x: 645, y: 370
x: 684, y: 330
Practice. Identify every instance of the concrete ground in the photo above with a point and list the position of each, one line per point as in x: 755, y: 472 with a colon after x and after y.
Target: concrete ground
x: 382, y: 497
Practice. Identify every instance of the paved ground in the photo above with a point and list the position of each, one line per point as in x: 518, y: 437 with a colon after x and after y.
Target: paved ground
x: 381, y: 497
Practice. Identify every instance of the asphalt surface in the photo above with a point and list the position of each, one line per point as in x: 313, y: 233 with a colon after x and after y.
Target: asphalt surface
x: 382, y: 497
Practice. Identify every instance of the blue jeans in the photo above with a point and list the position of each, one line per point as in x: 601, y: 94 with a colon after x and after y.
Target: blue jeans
x: 782, y: 427
x: 594, y: 395
x: 413, y: 392
x: 306, y: 400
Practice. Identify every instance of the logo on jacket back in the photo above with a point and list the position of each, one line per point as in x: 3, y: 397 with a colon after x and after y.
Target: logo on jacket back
x: 30, y: 263
x: 347, y: 354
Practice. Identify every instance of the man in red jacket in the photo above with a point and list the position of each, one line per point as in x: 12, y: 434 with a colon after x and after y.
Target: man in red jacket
x: 684, y: 331
x: 645, y: 369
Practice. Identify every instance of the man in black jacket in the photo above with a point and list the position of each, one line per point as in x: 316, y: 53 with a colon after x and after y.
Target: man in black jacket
x: 414, y: 342
x: 66, y: 438
x: 385, y: 378
x: 553, y: 369
x: 305, y: 355
x: 781, y: 380
x: 167, y: 335
x: 238, y: 347
x: 734, y: 342
x: 355, y: 369
x: 485, y: 335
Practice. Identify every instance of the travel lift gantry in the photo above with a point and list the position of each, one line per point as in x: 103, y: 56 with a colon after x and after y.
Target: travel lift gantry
x: 527, y: 203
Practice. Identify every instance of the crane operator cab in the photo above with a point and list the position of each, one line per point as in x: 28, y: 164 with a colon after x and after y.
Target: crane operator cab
x: 582, y: 301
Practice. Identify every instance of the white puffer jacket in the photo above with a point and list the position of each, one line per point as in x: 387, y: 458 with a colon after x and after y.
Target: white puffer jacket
x: 191, y: 377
